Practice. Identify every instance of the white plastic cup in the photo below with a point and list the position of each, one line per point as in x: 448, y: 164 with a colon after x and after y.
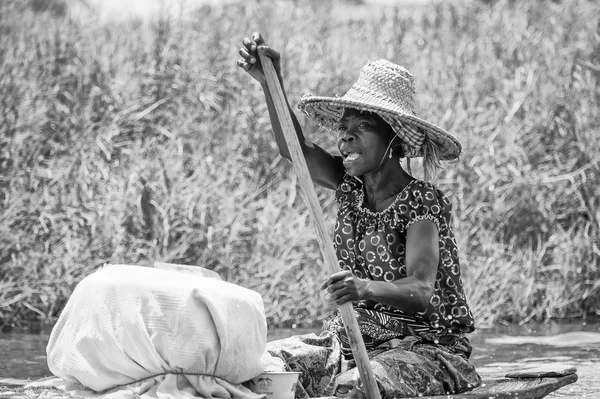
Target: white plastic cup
x: 276, y: 385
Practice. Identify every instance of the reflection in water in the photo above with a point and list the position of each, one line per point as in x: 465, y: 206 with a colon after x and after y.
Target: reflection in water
x: 574, y: 338
x: 496, y: 352
x: 500, y: 352
x: 23, y: 355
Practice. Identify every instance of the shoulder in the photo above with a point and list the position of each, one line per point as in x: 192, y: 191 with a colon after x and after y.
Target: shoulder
x: 425, y: 193
x: 422, y: 200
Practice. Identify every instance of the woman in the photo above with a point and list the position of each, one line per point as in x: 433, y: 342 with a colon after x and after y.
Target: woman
x: 393, y: 239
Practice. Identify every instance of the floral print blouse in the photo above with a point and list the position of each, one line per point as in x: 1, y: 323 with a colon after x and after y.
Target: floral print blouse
x: 372, y: 245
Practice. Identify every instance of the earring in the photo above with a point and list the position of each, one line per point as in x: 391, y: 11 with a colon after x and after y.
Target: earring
x: 391, y: 152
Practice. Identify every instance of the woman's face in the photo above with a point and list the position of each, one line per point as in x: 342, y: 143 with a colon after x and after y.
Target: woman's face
x: 362, y: 139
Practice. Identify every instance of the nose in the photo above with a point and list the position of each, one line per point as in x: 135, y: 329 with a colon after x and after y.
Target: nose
x: 347, y: 136
x: 344, y: 140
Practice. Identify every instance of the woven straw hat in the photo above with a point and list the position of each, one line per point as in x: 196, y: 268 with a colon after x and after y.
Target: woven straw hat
x: 388, y: 90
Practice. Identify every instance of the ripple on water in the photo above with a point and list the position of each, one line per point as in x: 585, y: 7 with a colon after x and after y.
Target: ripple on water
x: 498, y: 355
x: 569, y: 339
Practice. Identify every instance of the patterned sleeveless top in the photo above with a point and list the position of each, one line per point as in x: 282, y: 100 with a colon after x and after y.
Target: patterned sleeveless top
x: 372, y: 246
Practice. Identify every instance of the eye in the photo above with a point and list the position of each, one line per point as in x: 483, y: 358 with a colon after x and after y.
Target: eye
x: 365, y: 123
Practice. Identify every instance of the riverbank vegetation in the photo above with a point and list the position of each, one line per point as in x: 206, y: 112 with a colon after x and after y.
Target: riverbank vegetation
x: 130, y: 141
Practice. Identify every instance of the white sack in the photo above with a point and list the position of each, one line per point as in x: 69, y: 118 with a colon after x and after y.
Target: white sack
x: 126, y: 323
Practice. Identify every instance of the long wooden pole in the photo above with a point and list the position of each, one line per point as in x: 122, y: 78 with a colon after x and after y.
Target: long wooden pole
x: 304, y: 180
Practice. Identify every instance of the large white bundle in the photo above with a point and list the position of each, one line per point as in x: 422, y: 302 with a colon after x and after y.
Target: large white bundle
x: 141, y: 326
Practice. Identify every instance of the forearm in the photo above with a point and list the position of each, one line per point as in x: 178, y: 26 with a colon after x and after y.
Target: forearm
x: 275, y: 123
x: 408, y: 294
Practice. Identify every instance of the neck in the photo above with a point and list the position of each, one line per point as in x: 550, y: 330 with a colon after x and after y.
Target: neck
x: 385, y: 182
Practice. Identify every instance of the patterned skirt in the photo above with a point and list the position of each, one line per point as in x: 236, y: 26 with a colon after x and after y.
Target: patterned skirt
x: 403, y: 367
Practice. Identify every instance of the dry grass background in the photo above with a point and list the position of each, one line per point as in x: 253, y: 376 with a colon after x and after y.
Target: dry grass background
x: 131, y: 141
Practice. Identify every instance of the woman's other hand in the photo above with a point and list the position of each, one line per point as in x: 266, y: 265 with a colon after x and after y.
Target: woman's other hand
x: 250, y: 62
x: 344, y: 287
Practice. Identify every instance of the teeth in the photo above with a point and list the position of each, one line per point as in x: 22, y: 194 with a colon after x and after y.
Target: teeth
x: 352, y: 156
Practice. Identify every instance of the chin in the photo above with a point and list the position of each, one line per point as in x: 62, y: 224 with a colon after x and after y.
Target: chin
x: 352, y: 171
x: 359, y: 170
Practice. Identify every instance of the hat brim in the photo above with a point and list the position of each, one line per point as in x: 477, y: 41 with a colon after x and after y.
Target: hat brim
x: 327, y: 111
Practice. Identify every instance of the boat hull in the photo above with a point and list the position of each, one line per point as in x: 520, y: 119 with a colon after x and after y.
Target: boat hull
x: 523, y: 385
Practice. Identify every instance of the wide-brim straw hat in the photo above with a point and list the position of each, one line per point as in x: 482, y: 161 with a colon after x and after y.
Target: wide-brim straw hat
x: 388, y: 90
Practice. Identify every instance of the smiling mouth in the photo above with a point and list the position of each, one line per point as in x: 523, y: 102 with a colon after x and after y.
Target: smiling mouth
x: 351, y: 157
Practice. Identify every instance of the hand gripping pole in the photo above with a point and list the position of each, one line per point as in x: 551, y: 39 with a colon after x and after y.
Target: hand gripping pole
x: 325, y: 243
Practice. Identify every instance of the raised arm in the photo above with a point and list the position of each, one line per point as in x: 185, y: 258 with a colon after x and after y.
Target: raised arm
x: 325, y: 169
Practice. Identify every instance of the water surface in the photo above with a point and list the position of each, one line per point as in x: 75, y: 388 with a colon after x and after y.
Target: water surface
x: 497, y: 351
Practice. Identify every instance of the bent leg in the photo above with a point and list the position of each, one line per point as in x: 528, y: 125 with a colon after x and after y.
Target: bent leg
x: 414, y: 368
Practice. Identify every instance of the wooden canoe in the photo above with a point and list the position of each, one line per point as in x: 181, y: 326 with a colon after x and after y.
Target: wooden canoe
x: 512, y: 388
x: 529, y: 384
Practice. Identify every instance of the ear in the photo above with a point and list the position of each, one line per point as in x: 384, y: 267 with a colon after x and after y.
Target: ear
x: 398, y: 147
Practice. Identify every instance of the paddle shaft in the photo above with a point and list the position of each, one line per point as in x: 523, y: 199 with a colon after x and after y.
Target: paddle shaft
x: 325, y: 243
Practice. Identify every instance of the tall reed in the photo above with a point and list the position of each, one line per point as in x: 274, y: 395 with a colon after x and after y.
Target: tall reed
x: 133, y: 141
